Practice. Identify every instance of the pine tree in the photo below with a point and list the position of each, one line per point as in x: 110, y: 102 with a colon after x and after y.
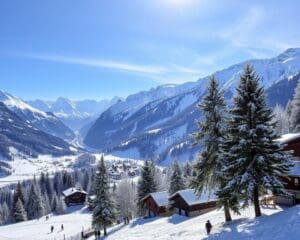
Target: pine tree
x: 254, y: 161
x: 18, y: 194
x: 176, y: 180
x: 34, y: 206
x: 146, y: 183
x: 57, y: 183
x: 295, y: 111
x: 20, y: 214
x: 48, y: 185
x: 4, y: 214
x: 104, y: 212
x: 210, y: 135
x: 187, y: 169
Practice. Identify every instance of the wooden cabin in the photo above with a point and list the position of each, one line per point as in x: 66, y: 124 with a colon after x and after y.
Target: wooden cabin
x: 291, y: 142
x: 74, y: 196
x: 156, y: 204
x: 185, y: 202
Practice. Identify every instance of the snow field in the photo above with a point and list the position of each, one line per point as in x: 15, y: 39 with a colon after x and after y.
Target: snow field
x: 76, y: 218
x: 186, y: 228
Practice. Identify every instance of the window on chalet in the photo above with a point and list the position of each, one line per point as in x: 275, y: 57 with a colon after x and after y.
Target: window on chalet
x: 296, y: 181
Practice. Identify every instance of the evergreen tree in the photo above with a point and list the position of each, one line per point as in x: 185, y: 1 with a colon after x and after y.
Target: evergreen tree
x: 254, y: 161
x: 187, y: 169
x: 57, y: 183
x: 212, y: 127
x: 18, y: 194
x: 34, y: 206
x: 288, y: 110
x: 4, y: 214
x: 20, y: 214
x: 146, y: 183
x: 104, y: 212
x: 176, y: 180
x: 48, y: 185
x: 295, y: 111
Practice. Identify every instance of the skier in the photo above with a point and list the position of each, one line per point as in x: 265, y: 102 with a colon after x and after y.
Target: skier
x: 52, y: 228
x: 208, y: 227
x: 62, y: 227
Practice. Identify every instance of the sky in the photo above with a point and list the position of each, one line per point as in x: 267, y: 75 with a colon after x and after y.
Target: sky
x: 99, y: 49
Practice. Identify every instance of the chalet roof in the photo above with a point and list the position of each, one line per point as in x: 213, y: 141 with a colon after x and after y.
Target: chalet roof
x: 71, y: 191
x: 295, y: 170
x: 286, y: 138
x: 191, y: 198
x: 160, y: 198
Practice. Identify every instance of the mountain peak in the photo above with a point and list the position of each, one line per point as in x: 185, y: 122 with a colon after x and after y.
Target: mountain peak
x: 289, y: 53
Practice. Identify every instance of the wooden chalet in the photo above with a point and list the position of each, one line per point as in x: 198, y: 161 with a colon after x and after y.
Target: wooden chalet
x: 156, y: 204
x: 185, y: 202
x: 74, y: 196
x: 291, y: 142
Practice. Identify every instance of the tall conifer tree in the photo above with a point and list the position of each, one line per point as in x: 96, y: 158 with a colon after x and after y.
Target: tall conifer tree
x: 104, y: 210
x: 176, y: 179
x: 253, y: 160
x: 212, y: 127
x: 146, y: 183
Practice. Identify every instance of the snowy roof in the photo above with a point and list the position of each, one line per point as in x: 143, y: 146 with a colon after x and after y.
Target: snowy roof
x: 71, y: 191
x: 160, y: 198
x: 288, y: 137
x: 295, y: 170
x: 191, y: 198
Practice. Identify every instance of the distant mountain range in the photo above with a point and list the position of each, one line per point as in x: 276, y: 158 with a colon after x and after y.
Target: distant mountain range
x: 154, y: 124
x: 74, y: 114
x: 44, y: 121
x: 157, y: 123
x: 18, y: 137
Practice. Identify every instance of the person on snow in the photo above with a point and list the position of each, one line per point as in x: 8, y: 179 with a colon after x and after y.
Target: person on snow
x: 62, y: 227
x: 208, y: 227
x: 52, y: 228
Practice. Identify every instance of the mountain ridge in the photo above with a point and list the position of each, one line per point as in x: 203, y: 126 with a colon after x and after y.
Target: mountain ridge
x: 123, y: 129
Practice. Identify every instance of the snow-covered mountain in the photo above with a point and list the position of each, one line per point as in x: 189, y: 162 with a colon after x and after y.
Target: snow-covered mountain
x: 158, y: 123
x: 44, y: 121
x: 19, y: 137
x: 74, y: 114
x: 283, y: 91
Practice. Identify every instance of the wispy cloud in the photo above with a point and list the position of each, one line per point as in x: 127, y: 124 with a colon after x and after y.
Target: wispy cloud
x: 100, y: 63
x: 167, y: 73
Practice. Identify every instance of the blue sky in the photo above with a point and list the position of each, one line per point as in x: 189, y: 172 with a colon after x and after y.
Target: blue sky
x: 103, y: 48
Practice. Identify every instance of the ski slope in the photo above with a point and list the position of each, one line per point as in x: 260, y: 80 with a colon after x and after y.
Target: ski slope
x: 275, y: 224
x: 74, y: 220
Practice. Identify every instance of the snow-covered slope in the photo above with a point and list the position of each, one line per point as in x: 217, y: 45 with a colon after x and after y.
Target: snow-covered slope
x: 75, y: 114
x: 274, y: 225
x: 21, y: 138
x: 157, y: 123
x: 75, y: 219
x: 44, y: 121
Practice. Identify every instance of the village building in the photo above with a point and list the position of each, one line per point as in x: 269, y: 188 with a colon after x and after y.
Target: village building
x: 156, y: 203
x: 291, y: 142
x: 185, y: 202
x: 74, y: 196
